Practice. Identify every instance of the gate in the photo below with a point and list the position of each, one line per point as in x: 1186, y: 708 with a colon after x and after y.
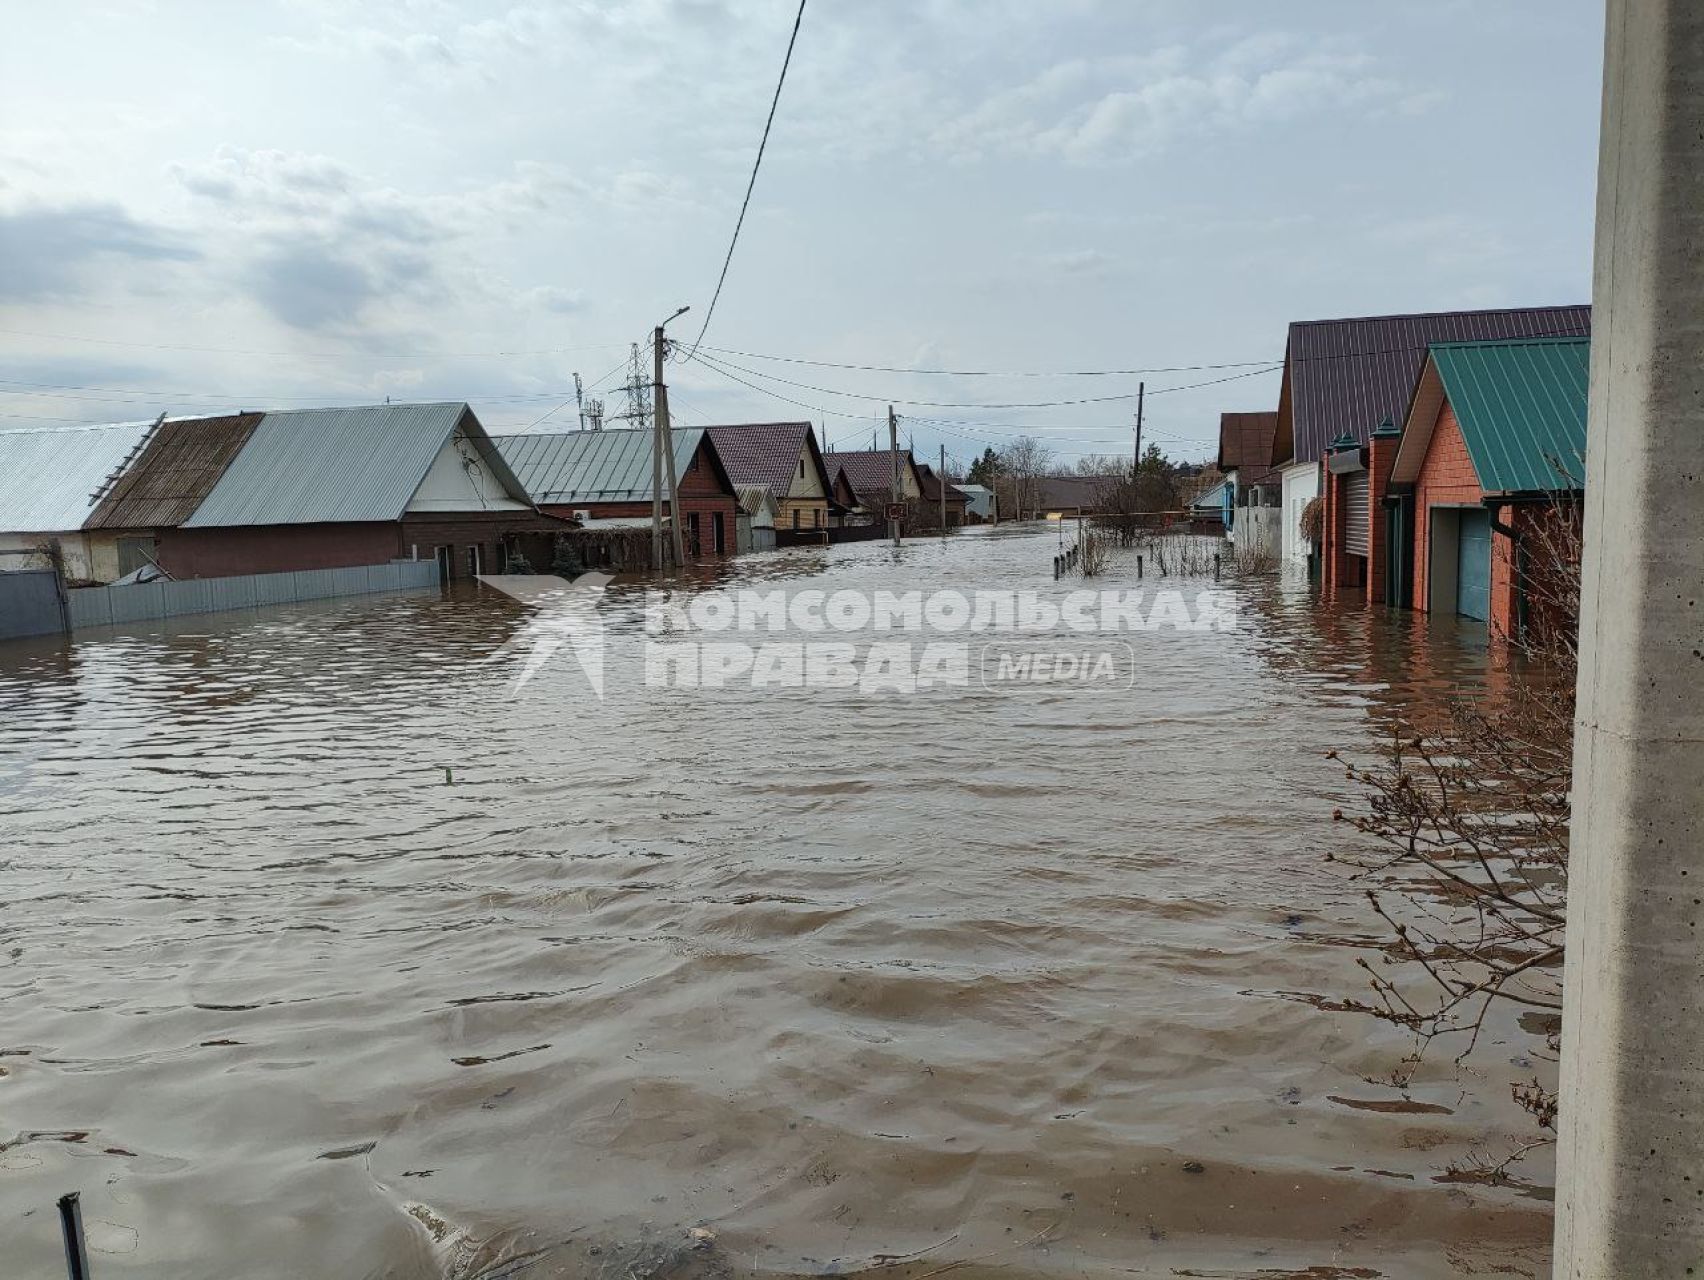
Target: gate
x: 31, y: 603
x: 1473, y: 565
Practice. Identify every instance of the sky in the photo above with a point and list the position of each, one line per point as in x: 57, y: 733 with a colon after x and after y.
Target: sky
x: 211, y: 206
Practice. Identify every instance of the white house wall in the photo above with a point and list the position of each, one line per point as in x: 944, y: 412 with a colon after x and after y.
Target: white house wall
x: 1301, y: 486
x: 459, y: 480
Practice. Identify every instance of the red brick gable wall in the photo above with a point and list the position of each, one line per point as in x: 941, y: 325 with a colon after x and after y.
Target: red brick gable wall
x: 1447, y: 478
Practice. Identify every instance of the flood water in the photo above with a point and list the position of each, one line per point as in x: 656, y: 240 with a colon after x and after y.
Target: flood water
x: 984, y: 983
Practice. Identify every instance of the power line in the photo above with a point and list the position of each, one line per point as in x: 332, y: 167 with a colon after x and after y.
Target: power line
x: 991, y: 373
x: 752, y: 184
x: 972, y: 404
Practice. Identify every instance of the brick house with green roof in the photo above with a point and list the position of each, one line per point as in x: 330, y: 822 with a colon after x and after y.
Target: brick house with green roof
x: 1493, y: 442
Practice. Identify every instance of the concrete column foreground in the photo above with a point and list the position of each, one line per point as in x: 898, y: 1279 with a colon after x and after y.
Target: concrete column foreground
x: 1630, y: 1200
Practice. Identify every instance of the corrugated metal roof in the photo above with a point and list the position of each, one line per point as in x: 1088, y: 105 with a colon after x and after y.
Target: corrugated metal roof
x: 868, y: 470
x: 175, y: 471
x: 51, y: 478
x: 562, y: 468
x: 1245, y: 444
x: 1347, y: 376
x: 322, y: 466
x: 766, y: 453
x: 1522, y: 410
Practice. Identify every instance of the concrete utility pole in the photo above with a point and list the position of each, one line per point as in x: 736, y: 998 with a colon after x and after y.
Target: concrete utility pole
x: 665, y: 457
x: 657, y: 473
x: 1142, y: 391
x: 1630, y: 1171
x: 893, y: 455
x: 941, y: 475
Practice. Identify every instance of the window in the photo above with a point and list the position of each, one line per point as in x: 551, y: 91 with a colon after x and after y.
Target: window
x: 692, y: 534
x: 719, y: 533
x: 473, y: 559
x: 801, y: 468
x: 795, y: 517
x: 133, y: 554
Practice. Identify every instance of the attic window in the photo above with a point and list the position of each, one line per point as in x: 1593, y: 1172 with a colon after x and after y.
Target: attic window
x: 801, y: 468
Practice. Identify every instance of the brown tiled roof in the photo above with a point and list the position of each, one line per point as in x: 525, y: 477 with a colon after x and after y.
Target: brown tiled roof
x: 1347, y: 376
x: 867, y: 470
x: 1245, y: 444
x: 176, y: 470
x: 766, y: 453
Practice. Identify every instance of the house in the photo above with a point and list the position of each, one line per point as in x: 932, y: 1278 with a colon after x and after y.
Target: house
x: 335, y: 488
x: 937, y: 500
x: 599, y: 476
x: 1214, y: 503
x: 754, y: 524
x: 844, y: 509
x: 1492, y: 447
x: 979, y: 503
x: 868, y: 475
x: 1253, y: 493
x: 784, y: 458
x: 51, y: 480
x: 164, y: 482
x: 1342, y: 379
x: 1058, y: 496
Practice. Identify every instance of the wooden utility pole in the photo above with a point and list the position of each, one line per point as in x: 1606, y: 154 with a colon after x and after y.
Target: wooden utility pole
x: 665, y: 449
x: 941, y: 475
x: 893, y: 455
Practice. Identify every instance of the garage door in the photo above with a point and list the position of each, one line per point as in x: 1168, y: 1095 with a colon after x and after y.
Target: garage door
x: 1473, y: 566
x: 1355, y: 528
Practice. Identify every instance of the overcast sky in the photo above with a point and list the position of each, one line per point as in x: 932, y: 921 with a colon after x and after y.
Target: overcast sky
x: 219, y: 205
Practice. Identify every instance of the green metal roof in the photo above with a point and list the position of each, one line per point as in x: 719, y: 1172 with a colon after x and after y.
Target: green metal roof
x: 1522, y: 408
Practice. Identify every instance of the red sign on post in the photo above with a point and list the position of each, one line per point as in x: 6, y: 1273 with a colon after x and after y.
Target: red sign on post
x: 896, y: 511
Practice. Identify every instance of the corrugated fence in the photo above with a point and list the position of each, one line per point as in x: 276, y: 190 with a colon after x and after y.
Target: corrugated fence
x: 154, y: 601
x: 29, y: 604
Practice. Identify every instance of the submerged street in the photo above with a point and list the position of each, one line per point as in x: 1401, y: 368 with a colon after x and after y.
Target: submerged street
x: 1027, y: 983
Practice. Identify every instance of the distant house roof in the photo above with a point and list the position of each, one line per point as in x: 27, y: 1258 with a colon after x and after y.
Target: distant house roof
x: 867, y: 470
x: 51, y: 479
x: 1057, y: 493
x: 562, y: 468
x: 1521, y: 406
x: 1211, y: 500
x: 930, y: 485
x: 1245, y: 444
x: 323, y: 466
x: 767, y: 453
x: 981, y: 499
x: 1345, y: 377
x: 178, y: 466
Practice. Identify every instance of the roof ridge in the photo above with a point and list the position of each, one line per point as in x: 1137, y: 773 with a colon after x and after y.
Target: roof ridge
x: 1433, y: 315
x: 1541, y: 339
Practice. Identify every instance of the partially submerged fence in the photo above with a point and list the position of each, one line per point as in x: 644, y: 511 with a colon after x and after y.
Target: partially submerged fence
x: 156, y: 601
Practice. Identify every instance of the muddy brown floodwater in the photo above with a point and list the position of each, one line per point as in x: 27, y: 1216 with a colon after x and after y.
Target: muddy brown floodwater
x: 783, y: 982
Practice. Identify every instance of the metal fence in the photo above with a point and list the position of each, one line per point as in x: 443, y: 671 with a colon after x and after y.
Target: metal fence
x: 30, y: 603
x: 154, y: 601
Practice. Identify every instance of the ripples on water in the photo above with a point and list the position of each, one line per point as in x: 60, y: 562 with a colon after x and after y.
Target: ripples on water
x: 1019, y: 985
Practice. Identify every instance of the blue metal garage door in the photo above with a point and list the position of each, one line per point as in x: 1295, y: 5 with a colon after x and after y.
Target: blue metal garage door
x: 1473, y: 566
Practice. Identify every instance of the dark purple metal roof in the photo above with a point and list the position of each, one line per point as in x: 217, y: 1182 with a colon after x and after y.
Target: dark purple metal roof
x: 1345, y: 377
x: 766, y: 453
x: 867, y: 470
